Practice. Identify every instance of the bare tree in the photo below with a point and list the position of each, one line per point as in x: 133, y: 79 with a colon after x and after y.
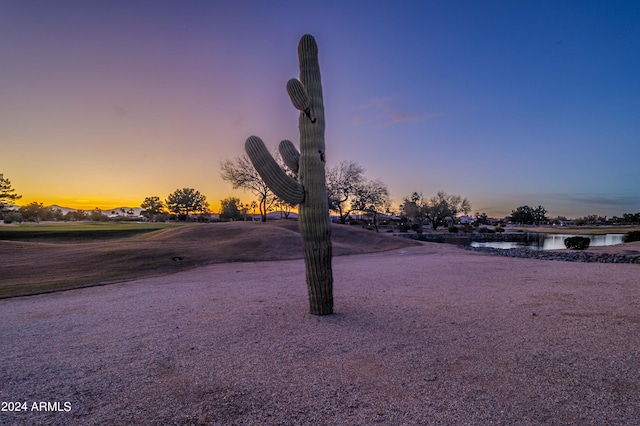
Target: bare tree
x: 436, y: 209
x: 444, y: 206
x: 371, y: 197
x: 343, y: 183
x: 241, y: 173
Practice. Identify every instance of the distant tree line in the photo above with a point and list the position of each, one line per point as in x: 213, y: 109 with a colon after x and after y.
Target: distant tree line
x: 439, y: 210
x: 348, y: 190
x: 529, y: 215
x: 182, y: 204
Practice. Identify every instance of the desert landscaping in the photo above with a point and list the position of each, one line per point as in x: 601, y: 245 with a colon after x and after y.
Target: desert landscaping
x: 423, y: 333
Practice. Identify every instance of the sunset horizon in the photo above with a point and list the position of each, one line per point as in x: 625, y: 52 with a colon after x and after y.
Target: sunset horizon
x: 107, y: 103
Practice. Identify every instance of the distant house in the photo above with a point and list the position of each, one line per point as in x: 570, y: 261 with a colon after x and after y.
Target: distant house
x: 466, y: 220
x: 279, y: 214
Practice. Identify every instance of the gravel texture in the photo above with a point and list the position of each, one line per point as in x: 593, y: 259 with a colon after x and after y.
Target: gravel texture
x: 425, y: 335
x: 563, y: 255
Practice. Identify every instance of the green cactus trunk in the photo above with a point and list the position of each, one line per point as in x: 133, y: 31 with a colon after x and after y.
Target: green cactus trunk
x: 310, y: 192
x: 314, y: 223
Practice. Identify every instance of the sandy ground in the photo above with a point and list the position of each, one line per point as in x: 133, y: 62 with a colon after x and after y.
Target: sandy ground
x: 425, y: 335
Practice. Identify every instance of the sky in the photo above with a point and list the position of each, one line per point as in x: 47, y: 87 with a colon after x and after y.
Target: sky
x: 506, y: 103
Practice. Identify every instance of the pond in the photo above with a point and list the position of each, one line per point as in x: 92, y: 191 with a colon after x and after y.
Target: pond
x: 552, y: 241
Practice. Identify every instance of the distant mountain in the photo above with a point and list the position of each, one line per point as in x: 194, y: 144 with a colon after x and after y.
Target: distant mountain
x: 63, y: 209
x: 116, y: 211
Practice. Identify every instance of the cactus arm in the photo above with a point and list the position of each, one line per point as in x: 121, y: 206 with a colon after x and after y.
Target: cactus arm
x: 300, y: 98
x: 282, y: 185
x: 290, y: 155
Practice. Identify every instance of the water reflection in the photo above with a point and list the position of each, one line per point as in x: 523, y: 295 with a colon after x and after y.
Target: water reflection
x: 552, y: 241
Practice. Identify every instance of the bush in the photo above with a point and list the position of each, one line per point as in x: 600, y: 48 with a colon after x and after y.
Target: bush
x: 12, y: 217
x: 631, y: 236
x: 499, y: 229
x: 467, y: 229
x: 577, y: 243
x: 453, y: 229
x: 403, y: 227
x: 483, y: 230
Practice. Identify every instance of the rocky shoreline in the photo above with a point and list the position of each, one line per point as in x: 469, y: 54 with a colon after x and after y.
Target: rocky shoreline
x: 567, y: 256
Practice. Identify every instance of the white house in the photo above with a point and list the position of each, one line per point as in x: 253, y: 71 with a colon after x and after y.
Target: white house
x: 466, y: 220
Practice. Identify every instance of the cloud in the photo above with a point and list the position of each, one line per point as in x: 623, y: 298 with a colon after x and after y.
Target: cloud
x: 583, y: 199
x: 381, y: 112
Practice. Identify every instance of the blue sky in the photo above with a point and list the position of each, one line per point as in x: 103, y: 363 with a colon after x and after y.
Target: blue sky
x: 103, y: 103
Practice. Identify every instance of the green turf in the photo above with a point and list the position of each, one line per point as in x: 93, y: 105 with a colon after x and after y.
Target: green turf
x: 74, y: 231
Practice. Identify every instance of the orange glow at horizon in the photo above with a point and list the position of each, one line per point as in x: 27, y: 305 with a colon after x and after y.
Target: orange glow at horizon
x: 111, y: 203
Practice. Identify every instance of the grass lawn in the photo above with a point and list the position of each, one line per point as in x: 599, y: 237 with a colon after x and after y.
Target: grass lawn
x: 49, y: 257
x: 74, y: 231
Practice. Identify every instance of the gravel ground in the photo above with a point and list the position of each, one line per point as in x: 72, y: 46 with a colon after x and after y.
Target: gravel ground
x: 562, y: 255
x: 426, y: 335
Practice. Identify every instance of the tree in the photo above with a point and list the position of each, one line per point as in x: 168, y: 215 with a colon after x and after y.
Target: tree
x: 186, y: 201
x: 343, y: 183
x: 436, y: 210
x: 33, y: 212
x: 76, y: 215
x: 7, y: 193
x: 12, y: 216
x: 414, y: 207
x: 528, y: 216
x: 230, y: 209
x: 241, y: 173
x: 371, y: 197
x: 444, y: 206
x: 482, y: 218
x: 540, y: 215
x: 152, y: 206
x: 631, y: 218
x: 49, y: 213
x: 96, y: 215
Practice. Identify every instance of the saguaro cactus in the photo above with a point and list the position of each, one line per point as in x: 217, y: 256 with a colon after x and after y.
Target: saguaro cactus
x: 309, y: 191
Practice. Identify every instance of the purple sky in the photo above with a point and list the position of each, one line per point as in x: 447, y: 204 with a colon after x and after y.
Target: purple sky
x: 103, y: 103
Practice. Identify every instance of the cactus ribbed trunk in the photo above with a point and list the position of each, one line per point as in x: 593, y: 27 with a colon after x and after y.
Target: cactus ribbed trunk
x: 310, y: 191
x: 314, y: 223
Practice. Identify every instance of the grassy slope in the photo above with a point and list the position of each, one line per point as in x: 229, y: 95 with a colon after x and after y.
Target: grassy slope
x: 77, y: 231
x: 35, y: 265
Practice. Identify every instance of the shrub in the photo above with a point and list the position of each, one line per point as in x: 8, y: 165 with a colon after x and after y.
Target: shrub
x: 453, y: 229
x: 12, y: 217
x: 483, y: 230
x: 631, y: 236
x: 577, y: 243
x: 499, y: 229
